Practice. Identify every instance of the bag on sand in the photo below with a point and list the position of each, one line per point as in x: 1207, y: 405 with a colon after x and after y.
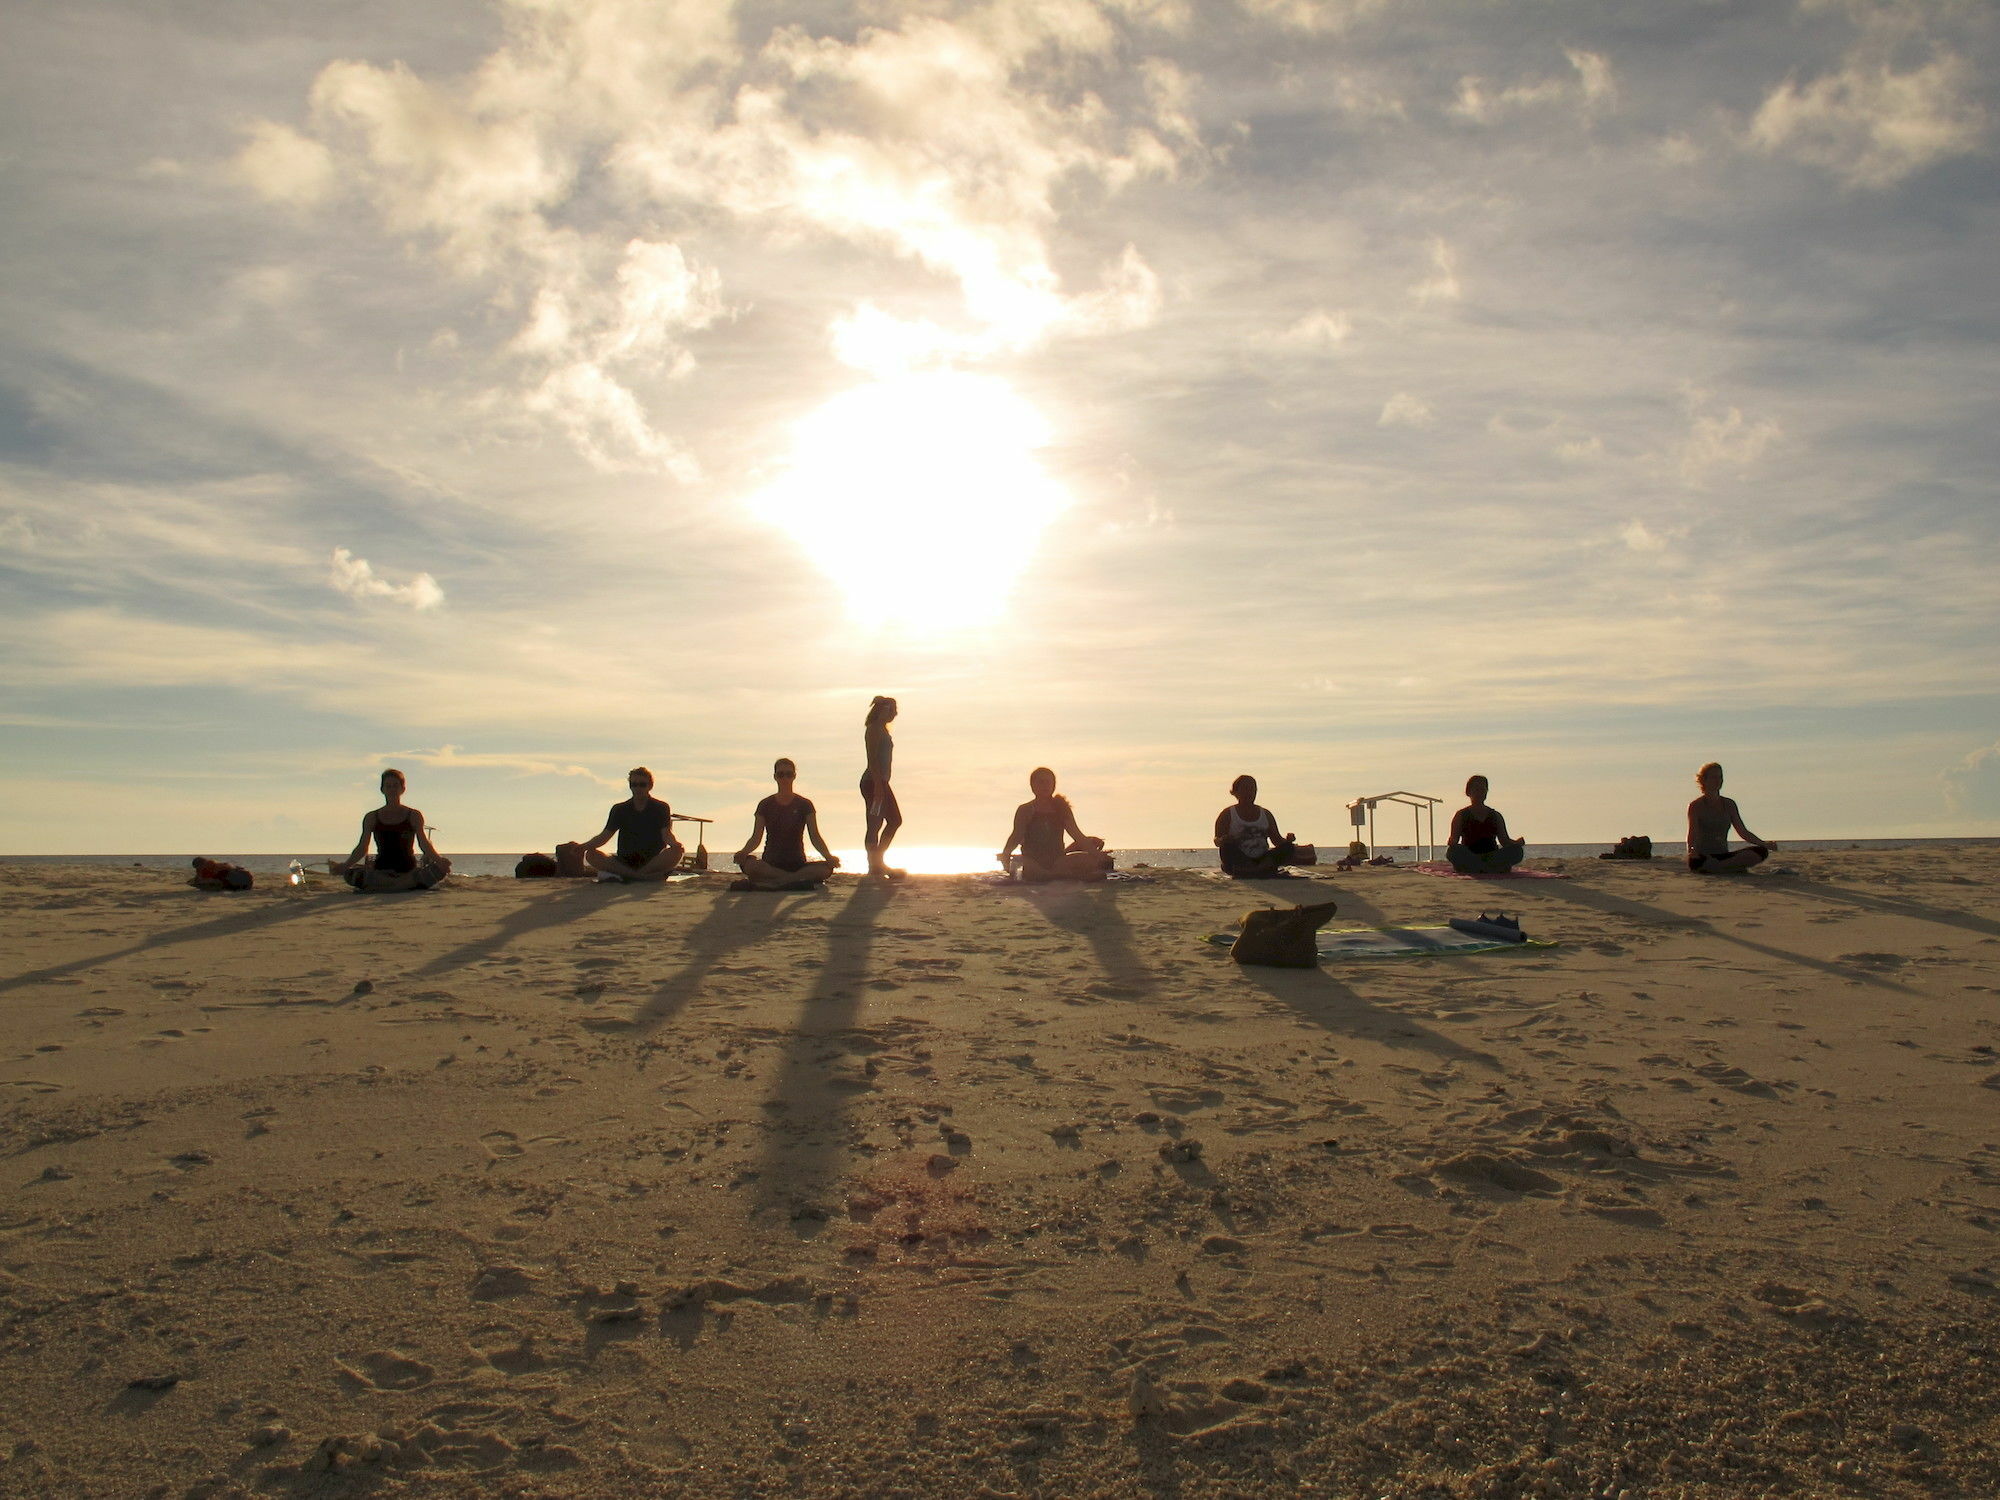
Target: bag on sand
x: 570, y: 863
x: 219, y: 875
x: 536, y: 867
x: 1632, y: 846
x: 1282, y: 937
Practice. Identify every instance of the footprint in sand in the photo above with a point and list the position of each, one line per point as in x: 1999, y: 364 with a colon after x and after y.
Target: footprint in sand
x: 502, y: 1143
x: 387, y: 1370
x: 507, y: 1349
x: 1499, y: 1174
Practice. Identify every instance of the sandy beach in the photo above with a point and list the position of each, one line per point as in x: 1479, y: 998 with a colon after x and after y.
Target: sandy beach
x: 958, y: 1189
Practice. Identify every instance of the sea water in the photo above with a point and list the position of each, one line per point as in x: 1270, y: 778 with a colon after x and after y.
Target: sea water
x: 938, y: 859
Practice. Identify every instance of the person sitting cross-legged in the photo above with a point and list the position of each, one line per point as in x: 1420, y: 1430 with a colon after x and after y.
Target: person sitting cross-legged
x: 647, y: 848
x: 784, y: 822
x: 1052, y: 846
x: 1248, y: 841
x: 1711, y: 817
x: 398, y: 832
x: 1479, y: 843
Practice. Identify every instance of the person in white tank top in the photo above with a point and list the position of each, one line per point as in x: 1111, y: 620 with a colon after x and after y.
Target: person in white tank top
x: 1248, y: 840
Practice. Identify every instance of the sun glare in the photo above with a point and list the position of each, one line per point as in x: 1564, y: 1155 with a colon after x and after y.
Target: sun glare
x: 920, y: 495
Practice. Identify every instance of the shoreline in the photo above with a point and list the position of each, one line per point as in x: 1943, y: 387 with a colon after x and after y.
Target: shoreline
x: 939, y: 1185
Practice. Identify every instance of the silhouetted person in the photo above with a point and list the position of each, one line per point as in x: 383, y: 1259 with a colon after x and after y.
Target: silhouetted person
x: 1479, y: 843
x: 1711, y: 816
x: 784, y: 822
x: 1248, y: 840
x: 1052, y: 846
x: 647, y: 848
x: 398, y: 833
x: 878, y: 800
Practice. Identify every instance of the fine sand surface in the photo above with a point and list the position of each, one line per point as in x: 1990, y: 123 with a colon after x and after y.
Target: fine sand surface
x: 947, y: 1188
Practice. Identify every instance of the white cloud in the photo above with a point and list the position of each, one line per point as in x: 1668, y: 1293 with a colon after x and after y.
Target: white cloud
x: 1443, y: 284
x: 529, y: 765
x: 1405, y: 410
x: 1972, y: 787
x: 1319, y: 329
x: 942, y: 141
x: 285, y: 166
x: 1871, y: 125
x: 1639, y: 537
x: 1313, y: 15
x: 1721, y: 441
x: 1590, y: 86
x: 354, y: 577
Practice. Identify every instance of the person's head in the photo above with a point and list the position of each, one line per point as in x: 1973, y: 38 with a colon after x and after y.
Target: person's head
x: 1709, y: 777
x: 394, y: 782
x: 1475, y: 788
x: 1042, y: 781
x: 639, y: 779
x: 783, y: 771
x: 1244, y: 789
x: 882, y: 710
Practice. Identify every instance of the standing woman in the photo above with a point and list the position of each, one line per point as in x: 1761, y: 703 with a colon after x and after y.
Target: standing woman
x: 884, y: 817
x: 398, y: 832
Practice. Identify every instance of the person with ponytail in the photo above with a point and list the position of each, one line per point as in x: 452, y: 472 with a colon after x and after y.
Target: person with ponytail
x: 877, y: 799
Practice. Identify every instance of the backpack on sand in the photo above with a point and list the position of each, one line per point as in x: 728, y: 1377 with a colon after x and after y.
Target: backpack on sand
x: 536, y: 867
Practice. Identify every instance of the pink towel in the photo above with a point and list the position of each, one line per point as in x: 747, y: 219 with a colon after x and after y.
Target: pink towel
x: 1439, y: 867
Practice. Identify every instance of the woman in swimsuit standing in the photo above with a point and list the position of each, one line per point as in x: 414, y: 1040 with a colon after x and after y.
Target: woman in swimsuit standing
x: 1479, y: 843
x: 1052, y: 846
x: 884, y: 816
x: 398, y: 832
x: 1710, y: 818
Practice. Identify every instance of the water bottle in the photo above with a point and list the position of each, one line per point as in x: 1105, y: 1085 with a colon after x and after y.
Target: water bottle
x: 295, y: 874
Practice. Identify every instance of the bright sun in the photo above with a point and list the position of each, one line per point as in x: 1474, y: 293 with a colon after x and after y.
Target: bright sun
x: 920, y: 495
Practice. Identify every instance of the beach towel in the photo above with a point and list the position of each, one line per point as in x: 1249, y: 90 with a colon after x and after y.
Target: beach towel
x: 1396, y: 942
x: 1439, y: 867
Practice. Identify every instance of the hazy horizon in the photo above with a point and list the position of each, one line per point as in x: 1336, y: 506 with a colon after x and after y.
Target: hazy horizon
x: 1359, y: 396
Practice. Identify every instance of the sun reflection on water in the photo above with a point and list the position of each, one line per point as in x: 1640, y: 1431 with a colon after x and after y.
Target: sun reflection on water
x: 928, y: 859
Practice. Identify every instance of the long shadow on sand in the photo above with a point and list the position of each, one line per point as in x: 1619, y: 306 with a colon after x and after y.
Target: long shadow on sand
x: 1091, y: 912
x: 1323, y: 1000
x: 738, y: 919
x: 1653, y: 916
x: 560, y: 905
x: 806, y: 1115
x: 1888, y: 906
x: 230, y: 926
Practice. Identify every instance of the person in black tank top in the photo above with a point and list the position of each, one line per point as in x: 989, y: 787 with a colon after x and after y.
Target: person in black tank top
x: 398, y: 833
x: 644, y: 825
x: 1479, y: 843
x: 784, y: 821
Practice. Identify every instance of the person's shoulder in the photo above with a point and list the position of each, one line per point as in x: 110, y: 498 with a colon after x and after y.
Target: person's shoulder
x: 766, y: 803
x: 805, y: 804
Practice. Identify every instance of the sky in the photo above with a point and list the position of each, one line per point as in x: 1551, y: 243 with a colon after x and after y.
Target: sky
x: 1357, y: 393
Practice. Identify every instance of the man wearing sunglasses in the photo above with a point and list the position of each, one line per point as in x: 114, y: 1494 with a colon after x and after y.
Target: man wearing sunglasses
x: 647, y: 849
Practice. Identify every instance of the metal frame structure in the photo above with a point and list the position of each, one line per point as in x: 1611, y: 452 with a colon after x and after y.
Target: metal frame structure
x: 1423, y: 816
